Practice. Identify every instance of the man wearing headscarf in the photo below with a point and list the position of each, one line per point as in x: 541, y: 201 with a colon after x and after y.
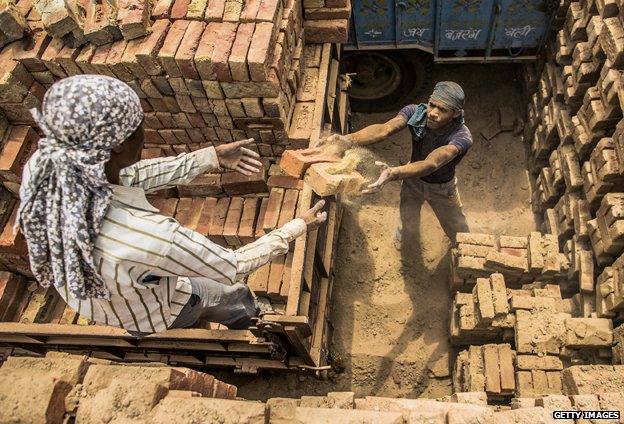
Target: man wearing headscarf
x: 439, y: 142
x: 92, y: 234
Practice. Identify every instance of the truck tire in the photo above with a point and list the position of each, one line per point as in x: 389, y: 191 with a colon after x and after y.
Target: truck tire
x: 384, y: 80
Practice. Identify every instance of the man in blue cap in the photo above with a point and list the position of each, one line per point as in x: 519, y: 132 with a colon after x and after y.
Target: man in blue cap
x: 439, y: 142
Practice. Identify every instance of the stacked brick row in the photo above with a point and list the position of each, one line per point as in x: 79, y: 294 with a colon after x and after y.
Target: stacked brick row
x: 575, y: 129
x: 194, y: 90
x: 327, y: 20
x: 64, y: 387
x: 78, y: 22
x: 519, y: 259
x: 61, y: 387
x: 523, y: 339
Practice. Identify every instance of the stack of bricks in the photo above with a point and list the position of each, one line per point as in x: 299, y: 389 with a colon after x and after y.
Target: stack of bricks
x: 327, y: 21
x: 206, y: 72
x: 488, y: 368
x: 61, y: 387
x: 483, y: 315
x: 520, y: 259
x: 546, y: 332
x: 576, y: 131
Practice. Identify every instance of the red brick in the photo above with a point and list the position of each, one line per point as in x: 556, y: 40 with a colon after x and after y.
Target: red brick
x: 67, y: 59
x: 113, y: 61
x: 276, y: 272
x: 195, y: 213
x: 271, y: 216
x: 260, y: 51
x: 238, y: 56
x: 179, y: 9
x: 147, y: 50
x: 98, y: 61
x: 12, y: 240
x: 248, y: 220
x: 167, y: 52
x: 258, y: 280
x: 166, y: 207
x: 162, y: 9
x: 218, y: 221
x: 152, y: 153
x: 171, y: 103
x: 205, y: 219
x: 31, y: 56
x: 250, y: 10
x: 153, y: 137
x: 296, y: 162
x: 326, y: 31
x: 235, y: 183
x: 100, y: 26
x: 285, y: 181
x: 214, y: 11
x: 12, y: 290
x: 133, y: 17
x: 261, y: 214
x: 226, y: 36
x: 184, y: 210
x: 205, y: 50
x: 51, y: 52
x: 196, y: 137
x: 32, y: 398
x: 232, y: 221
x: 16, y: 150
x: 202, y: 186
x: 268, y: 10
x: 83, y: 60
x: 289, y: 207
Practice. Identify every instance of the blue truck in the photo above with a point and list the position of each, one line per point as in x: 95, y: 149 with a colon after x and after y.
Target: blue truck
x: 392, y: 41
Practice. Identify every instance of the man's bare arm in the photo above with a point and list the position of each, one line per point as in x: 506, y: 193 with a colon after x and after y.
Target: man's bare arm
x: 434, y: 161
x: 377, y: 132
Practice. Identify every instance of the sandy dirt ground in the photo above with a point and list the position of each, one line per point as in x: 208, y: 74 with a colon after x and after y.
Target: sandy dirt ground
x: 390, y: 308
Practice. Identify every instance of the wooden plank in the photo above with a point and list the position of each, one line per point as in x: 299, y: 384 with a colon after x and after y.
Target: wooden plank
x: 317, y: 336
x: 88, y: 341
x: 275, y: 278
x: 294, y: 292
x: 301, y: 322
x: 321, y: 94
x: 331, y: 237
x: 296, y: 339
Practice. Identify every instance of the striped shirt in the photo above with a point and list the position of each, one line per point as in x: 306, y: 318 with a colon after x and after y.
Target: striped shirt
x: 135, y: 242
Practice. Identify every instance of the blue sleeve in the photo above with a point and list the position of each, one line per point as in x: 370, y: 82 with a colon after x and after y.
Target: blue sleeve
x: 462, y: 140
x: 408, y: 111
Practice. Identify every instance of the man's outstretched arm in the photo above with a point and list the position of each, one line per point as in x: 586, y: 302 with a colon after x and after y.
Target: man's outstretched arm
x: 434, y: 161
x: 377, y: 132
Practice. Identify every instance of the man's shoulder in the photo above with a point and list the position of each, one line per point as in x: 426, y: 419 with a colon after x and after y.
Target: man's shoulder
x: 463, y: 132
x: 408, y: 111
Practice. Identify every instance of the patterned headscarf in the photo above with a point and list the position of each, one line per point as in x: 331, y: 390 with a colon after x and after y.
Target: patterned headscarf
x: 450, y: 93
x: 67, y: 195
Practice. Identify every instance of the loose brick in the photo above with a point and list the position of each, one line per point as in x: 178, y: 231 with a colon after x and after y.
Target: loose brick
x: 259, y: 56
x: 235, y: 183
x: 218, y: 221
x: 226, y: 35
x: 16, y: 150
x: 12, y: 290
x: 179, y: 9
x: 172, y: 41
x: 261, y: 214
x: 505, y: 358
x: 134, y: 18
x: 327, y: 31
x: 259, y: 279
x: 204, y: 53
x: 188, y: 47
x: 215, y: 11
x: 238, y: 56
x: 247, y: 226
x: 232, y: 222
x: 297, y: 162
x: 207, y: 215
x: 147, y: 50
x: 271, y: 217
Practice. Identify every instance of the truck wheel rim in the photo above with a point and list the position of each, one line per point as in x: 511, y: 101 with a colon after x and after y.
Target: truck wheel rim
x: 377, y: 75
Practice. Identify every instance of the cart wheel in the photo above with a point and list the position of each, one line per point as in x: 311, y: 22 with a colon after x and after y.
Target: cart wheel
x: 384, y: 81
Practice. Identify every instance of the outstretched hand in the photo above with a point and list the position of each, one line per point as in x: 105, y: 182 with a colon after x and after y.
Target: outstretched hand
x: 313, y: 217
x: 237, y: 157
x: 386, y: 175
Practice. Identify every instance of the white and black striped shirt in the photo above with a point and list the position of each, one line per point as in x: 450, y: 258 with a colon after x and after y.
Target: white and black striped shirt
x: 135, y: 241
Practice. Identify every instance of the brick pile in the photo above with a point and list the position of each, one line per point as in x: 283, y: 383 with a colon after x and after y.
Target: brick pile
x: 520, y: 259
x: 327, y: 20
x: 575, y: 130
x: 63, y: 387
x: 541, y: 334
